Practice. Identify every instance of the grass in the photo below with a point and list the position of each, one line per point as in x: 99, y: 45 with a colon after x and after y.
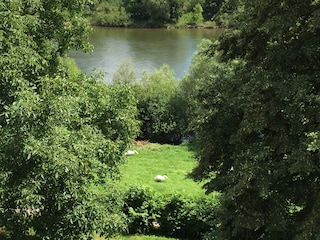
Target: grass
x: 175, y: 161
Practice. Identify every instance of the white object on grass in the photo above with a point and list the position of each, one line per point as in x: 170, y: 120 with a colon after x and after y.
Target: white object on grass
x: 160, y: 178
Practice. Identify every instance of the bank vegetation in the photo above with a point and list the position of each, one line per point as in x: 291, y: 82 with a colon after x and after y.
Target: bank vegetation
x: 164, y: 13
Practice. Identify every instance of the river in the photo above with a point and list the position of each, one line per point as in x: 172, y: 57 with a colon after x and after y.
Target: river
x: 144, y: 49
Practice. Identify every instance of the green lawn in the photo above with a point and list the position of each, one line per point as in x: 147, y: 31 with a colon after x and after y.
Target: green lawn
x: 175, y: 161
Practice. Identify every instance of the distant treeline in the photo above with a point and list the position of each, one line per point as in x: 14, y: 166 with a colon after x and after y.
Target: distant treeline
x: 154, y: 13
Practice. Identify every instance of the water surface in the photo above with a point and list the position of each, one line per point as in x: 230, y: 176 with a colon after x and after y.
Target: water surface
x: 144, y: 49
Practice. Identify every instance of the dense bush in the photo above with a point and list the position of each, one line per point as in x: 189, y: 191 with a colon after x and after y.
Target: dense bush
x: 156, y: 112
x: 159, y: 107
x: 168, y: 215
x: 142, y: 208
x: 155, y: 13
x: 191, y: 18
x: 108, y: 14
x: 210, y: 8
x: 186, y: 218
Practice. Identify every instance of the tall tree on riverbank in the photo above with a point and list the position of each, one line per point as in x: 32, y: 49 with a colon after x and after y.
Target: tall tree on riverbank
x: 62, y: 134
x: 257, y: 93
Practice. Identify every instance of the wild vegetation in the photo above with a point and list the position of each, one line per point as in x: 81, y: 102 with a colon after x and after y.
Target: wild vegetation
x: 143, y: 13
x: 158, y: 102
x: 61, y: 131
x: 253, y: 108
x: 251, y: 101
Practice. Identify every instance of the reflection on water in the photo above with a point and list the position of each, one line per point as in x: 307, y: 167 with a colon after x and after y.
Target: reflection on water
x: 145, y: 49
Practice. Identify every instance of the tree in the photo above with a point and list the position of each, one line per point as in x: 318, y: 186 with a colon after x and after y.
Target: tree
x: 125, y: 75
x: 154, y: 94
x: 176, y: 10
x: 257, y: 123
x: 197, y: 14
x: 150, y: 11
x: 63, y: 134
x: 110, y: 14
x: 211, y: 8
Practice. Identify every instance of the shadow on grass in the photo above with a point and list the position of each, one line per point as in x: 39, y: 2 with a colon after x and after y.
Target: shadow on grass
x: 193, y: 146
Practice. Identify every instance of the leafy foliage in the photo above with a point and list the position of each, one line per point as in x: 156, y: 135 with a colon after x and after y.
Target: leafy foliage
x: 159, y: 104
x: 108, y: 14
x: 154, y: 99
x: 197, y: 14
x: 254, y: 114
x: 125, y: 75
x: 211, y: 8
x: 153, y: 13
x: 193, y: 17
x: 187, y: 218
x: 62, y: 133
x: 141, y: 208
x: 168, y: 215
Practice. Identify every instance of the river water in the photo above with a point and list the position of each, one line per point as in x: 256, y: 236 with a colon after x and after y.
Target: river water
x: 144, y: 49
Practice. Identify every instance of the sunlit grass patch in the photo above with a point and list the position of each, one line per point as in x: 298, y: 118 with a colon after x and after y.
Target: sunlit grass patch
x: 175, y: 161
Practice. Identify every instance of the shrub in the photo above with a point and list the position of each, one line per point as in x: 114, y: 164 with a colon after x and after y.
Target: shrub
x: 185, y: 19
x: 191, y: 18
x: 141, y: 208
x: 187, y: 218
x: 107, y: 14
x: 158, y: 123
x: 177, y: 216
